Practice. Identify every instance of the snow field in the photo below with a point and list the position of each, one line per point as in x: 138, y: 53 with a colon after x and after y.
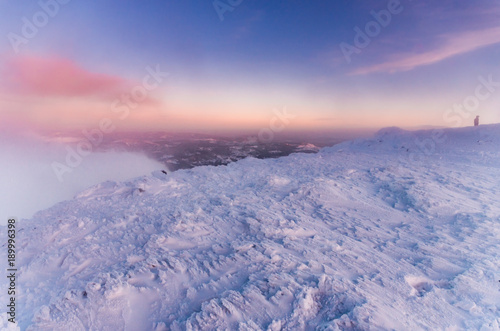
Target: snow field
x: 366, y: 235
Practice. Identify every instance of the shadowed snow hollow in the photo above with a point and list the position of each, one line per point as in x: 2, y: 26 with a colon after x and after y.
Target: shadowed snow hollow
x: 377, y: 234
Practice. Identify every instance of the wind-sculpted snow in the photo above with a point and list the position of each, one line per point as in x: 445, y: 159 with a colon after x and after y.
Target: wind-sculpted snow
x: 368, y: 235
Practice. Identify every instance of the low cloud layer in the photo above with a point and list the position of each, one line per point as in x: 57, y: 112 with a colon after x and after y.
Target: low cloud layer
x: 29, y: 183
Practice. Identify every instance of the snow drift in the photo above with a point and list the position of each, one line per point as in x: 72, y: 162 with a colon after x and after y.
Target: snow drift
x: 395, y: 232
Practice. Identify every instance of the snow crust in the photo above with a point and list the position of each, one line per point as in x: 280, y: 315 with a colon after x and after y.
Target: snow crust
x: 400, y: 231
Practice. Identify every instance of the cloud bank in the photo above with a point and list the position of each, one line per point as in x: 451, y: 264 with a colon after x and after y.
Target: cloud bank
x: 29, y: 183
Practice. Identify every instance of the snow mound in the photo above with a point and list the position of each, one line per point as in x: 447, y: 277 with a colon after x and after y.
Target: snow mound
x: 363, y: 235
x: 475, y: 145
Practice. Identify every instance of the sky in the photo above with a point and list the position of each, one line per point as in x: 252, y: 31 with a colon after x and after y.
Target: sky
x: 195, y: 65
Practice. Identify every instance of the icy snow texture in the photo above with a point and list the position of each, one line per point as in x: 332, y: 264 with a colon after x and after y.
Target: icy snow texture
x: 396, y: 232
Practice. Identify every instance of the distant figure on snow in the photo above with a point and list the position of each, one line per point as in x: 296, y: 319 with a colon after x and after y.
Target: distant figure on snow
x: 476, y: 121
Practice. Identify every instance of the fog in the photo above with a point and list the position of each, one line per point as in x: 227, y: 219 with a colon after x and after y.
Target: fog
x: 29, y: 183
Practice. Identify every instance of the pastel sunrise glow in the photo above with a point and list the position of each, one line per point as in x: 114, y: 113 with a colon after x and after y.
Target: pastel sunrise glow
x: 341, y: 64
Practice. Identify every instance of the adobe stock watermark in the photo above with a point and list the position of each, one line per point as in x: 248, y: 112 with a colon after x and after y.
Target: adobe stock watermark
x: 455, y: 117
x: 470, y: 104
x: 121, y: 107
x: 12, y: 248
x: 277, y: 124
x: 222, y: 7
x: 372, y: 29
x: 30, y: 27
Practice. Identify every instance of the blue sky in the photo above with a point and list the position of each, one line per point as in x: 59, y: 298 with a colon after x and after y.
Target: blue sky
x: 263, y: 55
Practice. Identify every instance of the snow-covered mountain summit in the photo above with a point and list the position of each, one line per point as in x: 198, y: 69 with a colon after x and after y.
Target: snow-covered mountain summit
x: 400, y: 231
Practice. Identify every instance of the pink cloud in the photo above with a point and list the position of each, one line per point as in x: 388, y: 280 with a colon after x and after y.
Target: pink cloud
x: 451, y: 45
x: 57, y: 77
x: 49, y: 93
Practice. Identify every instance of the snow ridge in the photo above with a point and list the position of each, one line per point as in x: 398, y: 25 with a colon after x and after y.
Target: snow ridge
x: 376, y: 233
